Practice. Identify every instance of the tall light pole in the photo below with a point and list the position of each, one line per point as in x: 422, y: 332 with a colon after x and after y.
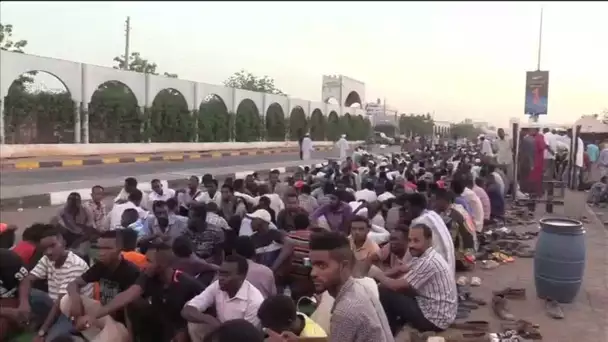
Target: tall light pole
x: 540, y: 40
x: 127, y: 42
x: 534, y: 118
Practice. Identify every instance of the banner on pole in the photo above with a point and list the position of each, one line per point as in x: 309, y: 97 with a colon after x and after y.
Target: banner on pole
x: 537, y: 93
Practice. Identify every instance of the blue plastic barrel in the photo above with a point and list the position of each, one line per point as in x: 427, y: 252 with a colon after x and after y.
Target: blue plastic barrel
x: 559, y: 261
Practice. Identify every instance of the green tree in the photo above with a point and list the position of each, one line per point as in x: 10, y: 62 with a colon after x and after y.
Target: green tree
x: 214, y: 122
x: 248, y: 123
x: 8, y: 44
x: 275, y: 123
x: 333, y: 127
x: 416, y: 124
x: 298, y: 125
x: 34, y: 116
x: 167, y: 120
x: 248, y: 81
x: 318, y: 126
x: 464, y: 130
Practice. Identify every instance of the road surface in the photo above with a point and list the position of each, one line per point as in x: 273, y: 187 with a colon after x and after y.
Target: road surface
x: 120, y: 171
x: 26, y: 217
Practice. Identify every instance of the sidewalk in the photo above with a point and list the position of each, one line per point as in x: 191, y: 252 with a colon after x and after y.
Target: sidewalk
x: 586, y: 319
x: 42, y: 195
x: 67, y: 161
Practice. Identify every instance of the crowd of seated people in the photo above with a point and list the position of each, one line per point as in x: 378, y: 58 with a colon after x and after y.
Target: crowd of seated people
x: 350, y: 251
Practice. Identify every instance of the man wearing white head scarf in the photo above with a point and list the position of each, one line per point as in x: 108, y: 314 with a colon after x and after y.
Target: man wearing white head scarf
x: 342, y: 144
x: 307, y: 147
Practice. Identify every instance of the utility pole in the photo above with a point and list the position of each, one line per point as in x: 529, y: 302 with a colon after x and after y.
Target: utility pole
x: 534, y: 118
x: 540, y: 40
x: 127, y: 42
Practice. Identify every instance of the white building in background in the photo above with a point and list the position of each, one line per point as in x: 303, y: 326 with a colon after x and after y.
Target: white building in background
x: 379, y: 109
x: 441, y: 128
x: 379, y: 112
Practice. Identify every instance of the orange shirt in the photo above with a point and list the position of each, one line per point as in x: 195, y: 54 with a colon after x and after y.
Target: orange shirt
x: 136, y: 258
x: 366, y: 250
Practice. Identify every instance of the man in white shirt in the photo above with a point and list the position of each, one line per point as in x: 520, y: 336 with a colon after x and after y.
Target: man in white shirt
x: 211, y: 195
x: 551, y: 142
x: 232, y: 296
x: 578, y: 161
x: 113, y: 220
x: 504, y: 154
x: 367, y: 194
x: 415, y: 205
x: 130, y: 186
x: 159, y: 193
x: 486, y: 146
x: 475, y: 204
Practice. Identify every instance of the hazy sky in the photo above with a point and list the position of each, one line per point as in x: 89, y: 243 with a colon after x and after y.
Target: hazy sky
x: 460, y: 60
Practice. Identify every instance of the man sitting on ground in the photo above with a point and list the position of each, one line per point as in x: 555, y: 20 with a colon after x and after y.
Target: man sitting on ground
x: 425, y: 297
x: 279, y: 314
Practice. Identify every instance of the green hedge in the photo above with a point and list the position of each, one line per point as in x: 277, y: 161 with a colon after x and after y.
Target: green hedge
x: 114, y: 117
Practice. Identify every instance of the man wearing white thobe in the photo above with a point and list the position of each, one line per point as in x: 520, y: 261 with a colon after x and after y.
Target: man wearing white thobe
x: 342, y: 145
x: 307, y: 147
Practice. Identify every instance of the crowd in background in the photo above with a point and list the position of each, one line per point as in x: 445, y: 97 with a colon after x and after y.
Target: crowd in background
x: 348, y: 250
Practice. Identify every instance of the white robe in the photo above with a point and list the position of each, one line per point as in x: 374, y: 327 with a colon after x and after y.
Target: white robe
x: 342, y: 144
x: 307, y: 148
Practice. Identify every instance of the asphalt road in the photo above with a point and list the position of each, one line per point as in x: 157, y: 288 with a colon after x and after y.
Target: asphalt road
x: 26, y: 217
x: 120, y: 171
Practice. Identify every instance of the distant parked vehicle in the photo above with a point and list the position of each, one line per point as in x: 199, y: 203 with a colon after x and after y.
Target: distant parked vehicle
x: 382, y: 138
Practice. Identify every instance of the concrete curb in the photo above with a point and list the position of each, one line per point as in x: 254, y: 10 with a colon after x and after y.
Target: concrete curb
x: 143, y: 158
x: 60, y: 197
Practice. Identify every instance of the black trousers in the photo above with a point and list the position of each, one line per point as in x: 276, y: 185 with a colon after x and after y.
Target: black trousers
x: 402, y: 309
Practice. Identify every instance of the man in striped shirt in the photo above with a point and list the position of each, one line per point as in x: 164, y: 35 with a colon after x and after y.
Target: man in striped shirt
x: 425, y: 295
x: 59, y: 267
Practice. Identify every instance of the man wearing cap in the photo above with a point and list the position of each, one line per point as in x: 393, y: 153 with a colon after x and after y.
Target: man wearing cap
x: 267, y: 241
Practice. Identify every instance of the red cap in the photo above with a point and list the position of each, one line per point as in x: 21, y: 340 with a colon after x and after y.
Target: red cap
x: 299, y: 184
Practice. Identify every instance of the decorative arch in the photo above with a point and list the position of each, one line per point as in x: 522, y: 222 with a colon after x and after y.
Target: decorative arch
x: 170, y: 118
x: 353, y: 98
x: 36, y: 111
x: 114, y: 115
x: 275, y: 123
x: 298, y: 125
x: 15, y: 64
x: 317, y: 125
x: 248, y: 124
x: 214, y: 120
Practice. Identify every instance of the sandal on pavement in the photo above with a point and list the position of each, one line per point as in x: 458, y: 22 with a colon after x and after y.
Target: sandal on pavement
x: 472, y: 326
x: 468, y: 305
x: 523, y: 328
x: 553, y: 309
x: 489, y: 264
x: 511, y: 293
x: 475, y: 281
x: 499, y: 306
x: 524, y: 252
x: 477, y: 301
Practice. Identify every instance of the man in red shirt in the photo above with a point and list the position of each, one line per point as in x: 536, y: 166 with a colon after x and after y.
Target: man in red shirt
x: 26, y: 248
